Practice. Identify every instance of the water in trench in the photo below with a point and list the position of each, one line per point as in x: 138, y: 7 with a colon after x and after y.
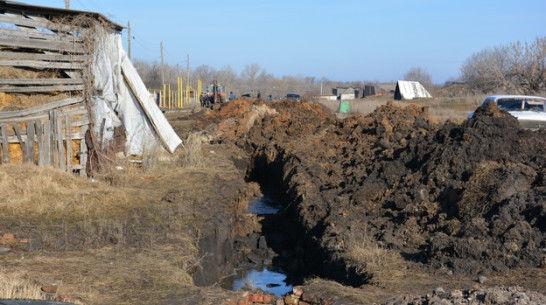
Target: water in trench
x: 265, y: 277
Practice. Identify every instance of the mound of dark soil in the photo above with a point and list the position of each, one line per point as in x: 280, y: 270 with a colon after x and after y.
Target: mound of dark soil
x: 467, y: 197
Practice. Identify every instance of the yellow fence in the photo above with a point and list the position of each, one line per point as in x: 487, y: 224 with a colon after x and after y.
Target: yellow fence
x: 168, y: 98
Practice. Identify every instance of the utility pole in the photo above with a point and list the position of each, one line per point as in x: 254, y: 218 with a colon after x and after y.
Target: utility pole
x: 67, y: 4
x: 162, y: 68
x: 128, y: 38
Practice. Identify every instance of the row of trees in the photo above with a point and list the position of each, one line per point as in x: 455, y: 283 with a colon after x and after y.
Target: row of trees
x: 514, y: 68
x: 251, y: 79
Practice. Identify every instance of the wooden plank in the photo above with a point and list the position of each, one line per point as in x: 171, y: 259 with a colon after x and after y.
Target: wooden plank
x: 68, y: 143
x: 13, y: 89
x: 41, y: 56
x: 42, y: 23
x: 5, y: 144
x: 83, y: 154
x: 75, y: 136
x: 53, y: 140
x: 42, y: 108
x: 59, y: 138
x: 47, y: 143
x: 80, y: 122
x: 155, y: 117
x: 23, y: 119
x: 66, y: 47
x: 41, y: 81
x: 42, y: 64
x: 21, y: 142
x: 40, y: 142
x: 52, y: 36
x: 30, y: 155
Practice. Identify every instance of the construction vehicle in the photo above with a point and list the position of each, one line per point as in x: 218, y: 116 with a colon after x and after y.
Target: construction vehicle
x: 216, y: 94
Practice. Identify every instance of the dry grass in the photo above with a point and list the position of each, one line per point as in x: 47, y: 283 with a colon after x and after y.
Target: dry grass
x: 384, y: 266
x: 193, y: 150
x: 13, y: 286
x: 440, y: 108
x: 29, y: 191
x: 105, y: 276
x: 107, y: 243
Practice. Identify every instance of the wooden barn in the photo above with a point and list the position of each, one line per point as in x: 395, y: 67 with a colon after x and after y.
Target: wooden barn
x: 69, y: 94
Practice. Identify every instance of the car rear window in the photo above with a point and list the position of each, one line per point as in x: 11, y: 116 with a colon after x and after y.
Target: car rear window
x: 510, y: 104
x: 521, y: 104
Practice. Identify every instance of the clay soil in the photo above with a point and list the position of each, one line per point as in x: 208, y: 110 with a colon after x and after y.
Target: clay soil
x: 376, y: 206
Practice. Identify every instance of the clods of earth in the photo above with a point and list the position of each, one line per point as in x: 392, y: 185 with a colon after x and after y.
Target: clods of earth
x: 369, y: 200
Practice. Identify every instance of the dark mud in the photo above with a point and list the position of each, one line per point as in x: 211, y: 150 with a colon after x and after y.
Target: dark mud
x: 468, y: 198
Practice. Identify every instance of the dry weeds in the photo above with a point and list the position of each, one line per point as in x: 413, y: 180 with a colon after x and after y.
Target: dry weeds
x: 440, y: 108
x: 112, y: 239
x: 382, y: 265
x: 14, y: 286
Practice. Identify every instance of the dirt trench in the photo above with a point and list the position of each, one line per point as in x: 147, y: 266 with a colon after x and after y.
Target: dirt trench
x: 467, y: 198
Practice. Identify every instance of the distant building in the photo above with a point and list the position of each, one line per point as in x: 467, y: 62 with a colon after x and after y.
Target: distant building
x: 349, y: 93
x: 379, y: 89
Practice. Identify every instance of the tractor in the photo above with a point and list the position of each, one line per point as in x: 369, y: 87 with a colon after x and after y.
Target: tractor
x: 216, y: 94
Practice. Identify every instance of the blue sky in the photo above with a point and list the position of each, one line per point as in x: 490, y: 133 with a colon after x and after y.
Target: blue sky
x: 343, y: 40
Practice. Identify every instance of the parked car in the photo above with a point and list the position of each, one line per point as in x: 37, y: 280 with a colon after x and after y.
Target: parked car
x: 529, y: 110
x: 293, y: 97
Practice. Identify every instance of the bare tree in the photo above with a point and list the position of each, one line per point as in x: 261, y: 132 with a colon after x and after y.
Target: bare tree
x: 515, y: 68
x: 417, y: 74
x: 150, y: 73
x: 249, y: 74
x: 205, y: 73
x: 227, y: 77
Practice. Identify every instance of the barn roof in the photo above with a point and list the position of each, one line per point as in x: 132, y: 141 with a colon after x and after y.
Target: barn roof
x: 51, y: 12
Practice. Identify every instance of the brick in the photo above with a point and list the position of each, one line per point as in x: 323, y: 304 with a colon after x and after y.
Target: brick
x: 291, y: 300
x: 309, y: 298
x: 49, y: 288
x: 231, y: 302
x: 297, y: 291
x: 7, y: 238
x: 243, y: 302
x: 257, y: 298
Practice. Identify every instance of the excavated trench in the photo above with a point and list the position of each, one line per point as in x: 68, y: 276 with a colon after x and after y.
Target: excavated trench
x: 279, y: 253
x: 466, y: 197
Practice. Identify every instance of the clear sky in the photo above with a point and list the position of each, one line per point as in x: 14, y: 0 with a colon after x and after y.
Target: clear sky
x: 342, y: 40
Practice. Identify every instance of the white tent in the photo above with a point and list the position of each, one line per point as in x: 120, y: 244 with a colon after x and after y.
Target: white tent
x: 121, y: 98
x: 407, y: 90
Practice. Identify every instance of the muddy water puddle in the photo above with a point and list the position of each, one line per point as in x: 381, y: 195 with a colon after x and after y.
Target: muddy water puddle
x: 264, y: 277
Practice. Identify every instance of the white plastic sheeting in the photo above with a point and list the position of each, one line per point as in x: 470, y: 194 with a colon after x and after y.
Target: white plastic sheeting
x: 121, y: 98
x: 407, y: 90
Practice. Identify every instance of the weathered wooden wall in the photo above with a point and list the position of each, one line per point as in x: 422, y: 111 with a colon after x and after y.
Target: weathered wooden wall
x: 49, y: 135
x: 53, y: 133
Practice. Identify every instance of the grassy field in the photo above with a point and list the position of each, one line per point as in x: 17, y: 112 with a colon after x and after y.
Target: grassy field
x: 441, y: 108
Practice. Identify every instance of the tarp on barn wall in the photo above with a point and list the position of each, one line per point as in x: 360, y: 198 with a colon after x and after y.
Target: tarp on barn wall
x: 122, y: 99
x: 408, y: 90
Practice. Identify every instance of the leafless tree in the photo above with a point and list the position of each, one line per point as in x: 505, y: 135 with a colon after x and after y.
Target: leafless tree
x: 515, y: 68
x: 205, y: 73
x: 227, y: 77
x: 249, y: 74
x: 420, y: 75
